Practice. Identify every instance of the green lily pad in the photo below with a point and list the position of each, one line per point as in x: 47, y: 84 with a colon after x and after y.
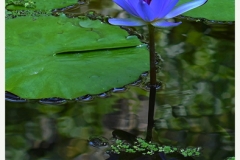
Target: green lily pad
x: 68, y: 58
x: 217, y: 10
x: 38, y: 4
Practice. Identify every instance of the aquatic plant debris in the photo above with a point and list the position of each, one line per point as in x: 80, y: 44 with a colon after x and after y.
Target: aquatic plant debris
x: 69, y: 58
x: 154, y: 12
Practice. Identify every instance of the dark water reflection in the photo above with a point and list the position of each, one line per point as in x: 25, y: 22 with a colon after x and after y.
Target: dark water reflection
x: 194, y: 107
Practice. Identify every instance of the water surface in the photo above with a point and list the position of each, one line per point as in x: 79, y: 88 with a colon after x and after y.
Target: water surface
x: 194, y: 105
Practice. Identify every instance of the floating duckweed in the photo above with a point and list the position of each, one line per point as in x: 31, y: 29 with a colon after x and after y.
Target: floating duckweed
x: 174, y: 148
x: 167, y: 149
x: 160, y: 149
x: 155, y: 149
x: 150, y: 152
x: 149, y: 148
x: 130, y: 151
x: 190, y: 151
x: 125, y: 146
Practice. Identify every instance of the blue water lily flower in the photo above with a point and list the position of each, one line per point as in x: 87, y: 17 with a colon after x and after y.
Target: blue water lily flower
x: 155, y: 12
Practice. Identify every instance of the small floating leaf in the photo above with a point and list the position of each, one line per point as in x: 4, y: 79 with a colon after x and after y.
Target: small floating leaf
x: 217, y: 10
x: 57, y: 57
x: 37, y: 4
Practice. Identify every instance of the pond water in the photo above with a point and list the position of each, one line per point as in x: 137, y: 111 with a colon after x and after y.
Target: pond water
x: 194, y: 105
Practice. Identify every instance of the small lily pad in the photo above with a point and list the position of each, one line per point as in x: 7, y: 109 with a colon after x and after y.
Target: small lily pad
x: 37, y: 4
x: 217, y: 10
x: 68, y: 58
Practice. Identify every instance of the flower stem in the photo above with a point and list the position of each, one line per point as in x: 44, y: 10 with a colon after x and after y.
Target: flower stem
x: 152, y: 94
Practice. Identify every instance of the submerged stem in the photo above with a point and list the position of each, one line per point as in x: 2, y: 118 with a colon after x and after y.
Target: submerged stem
x: 152, y: 94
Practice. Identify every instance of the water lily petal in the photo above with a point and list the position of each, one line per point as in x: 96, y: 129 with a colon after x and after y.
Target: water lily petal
x: 184, y: 8
x: 126, y: 22
x: 165, y: 24
x: 133, y: 6
x: 156, y: 7
x: 143, y: 9
x: 161, y: 8
x: 125, y: 6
